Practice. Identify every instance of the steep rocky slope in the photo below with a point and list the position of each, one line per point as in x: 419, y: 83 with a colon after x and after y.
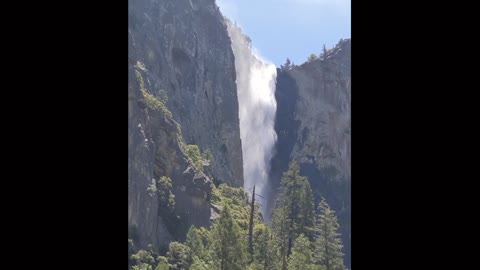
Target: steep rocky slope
x: 313, y: 125
x: 181, y: 51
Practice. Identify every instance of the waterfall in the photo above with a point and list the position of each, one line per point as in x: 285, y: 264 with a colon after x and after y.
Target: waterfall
x: 257, y: 106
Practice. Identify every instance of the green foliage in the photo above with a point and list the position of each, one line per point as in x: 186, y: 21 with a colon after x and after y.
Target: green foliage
x: 237, y: 200
x: 167, y: 205
x: 153, y: 103
x: 131, y: 250
x: 140, y: 80
x: 281, y: 232
x: 312, y: 57
x: 178, y: 256
x: 296, y: 206
x: 228, y: 245
x: 162, y: 263
x: 143, y: 256
x: 307, y: 212
x: 180, y: 140
x: 165, y: 192
x: 193, y: 153
x: 195, y: 243
x: 207, y: 155
x: 302, y: 255
x: 152, y: 188
x: 233, y: 195
x: 143, y: 260
x: 163, y: 96
x: 153, y: 251
x: 265, y: 254
x: 328, y: 242
x: 142, y: 267
x: 198, y: 264
x: 297, y: 239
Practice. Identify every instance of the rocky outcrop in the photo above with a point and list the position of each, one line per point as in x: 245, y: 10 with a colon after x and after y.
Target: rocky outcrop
x: 155, y: 151
x: 313, y: 124
x: 143, y: 220
x: 182, y: 52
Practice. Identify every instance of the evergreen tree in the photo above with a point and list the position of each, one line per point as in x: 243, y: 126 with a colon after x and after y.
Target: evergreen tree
x: 280, y: 229
x: 178, y: 256
x: 307, y: 226
x: 265, y: 256
x: 328, y: 242
x: 302, y: 255
x: 291, y: 182
x: 324, y: 52
x: 195, y: 243
x: 287, y: 65
x: 228, y: 245
x: 296, y: 204
x: 198, y: 264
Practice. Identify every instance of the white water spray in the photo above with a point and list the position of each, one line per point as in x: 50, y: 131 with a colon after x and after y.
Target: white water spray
x: 257, y: 106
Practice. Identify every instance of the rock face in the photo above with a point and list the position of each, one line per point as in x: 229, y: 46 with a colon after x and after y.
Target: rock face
x: 313, y: 124
x: 185, y: 46
x: 155, y: 151
x: 179, y: 48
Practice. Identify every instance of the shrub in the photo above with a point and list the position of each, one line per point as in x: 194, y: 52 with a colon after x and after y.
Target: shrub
x: 207, y: 155
x: 163, y: 96
x: 312, y: 57
x: 193, y: 153
x: 153, y: 103
x: 165, y: 192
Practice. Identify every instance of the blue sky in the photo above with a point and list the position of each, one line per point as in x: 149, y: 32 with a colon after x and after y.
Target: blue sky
x: 290, y: 28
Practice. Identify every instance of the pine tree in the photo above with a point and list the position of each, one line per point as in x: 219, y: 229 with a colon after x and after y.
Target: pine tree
x: 328, y: 242
x: 228, y: 245
x: 280, y: 229
x: 307, y: 226
x: 302, y: 255
x: 324, y: 52
x: 198, y: 264
x: 296, y: 203
x: 287, y: 65
x: 265, y: 256
x: 291, y: 183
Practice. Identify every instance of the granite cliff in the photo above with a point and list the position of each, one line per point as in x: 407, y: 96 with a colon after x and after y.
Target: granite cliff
x: 313, y: 124
x: 179, y: 54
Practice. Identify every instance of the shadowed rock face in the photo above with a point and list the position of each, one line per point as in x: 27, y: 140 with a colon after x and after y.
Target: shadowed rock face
x: 181, y: 47
x: 313, y: 124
